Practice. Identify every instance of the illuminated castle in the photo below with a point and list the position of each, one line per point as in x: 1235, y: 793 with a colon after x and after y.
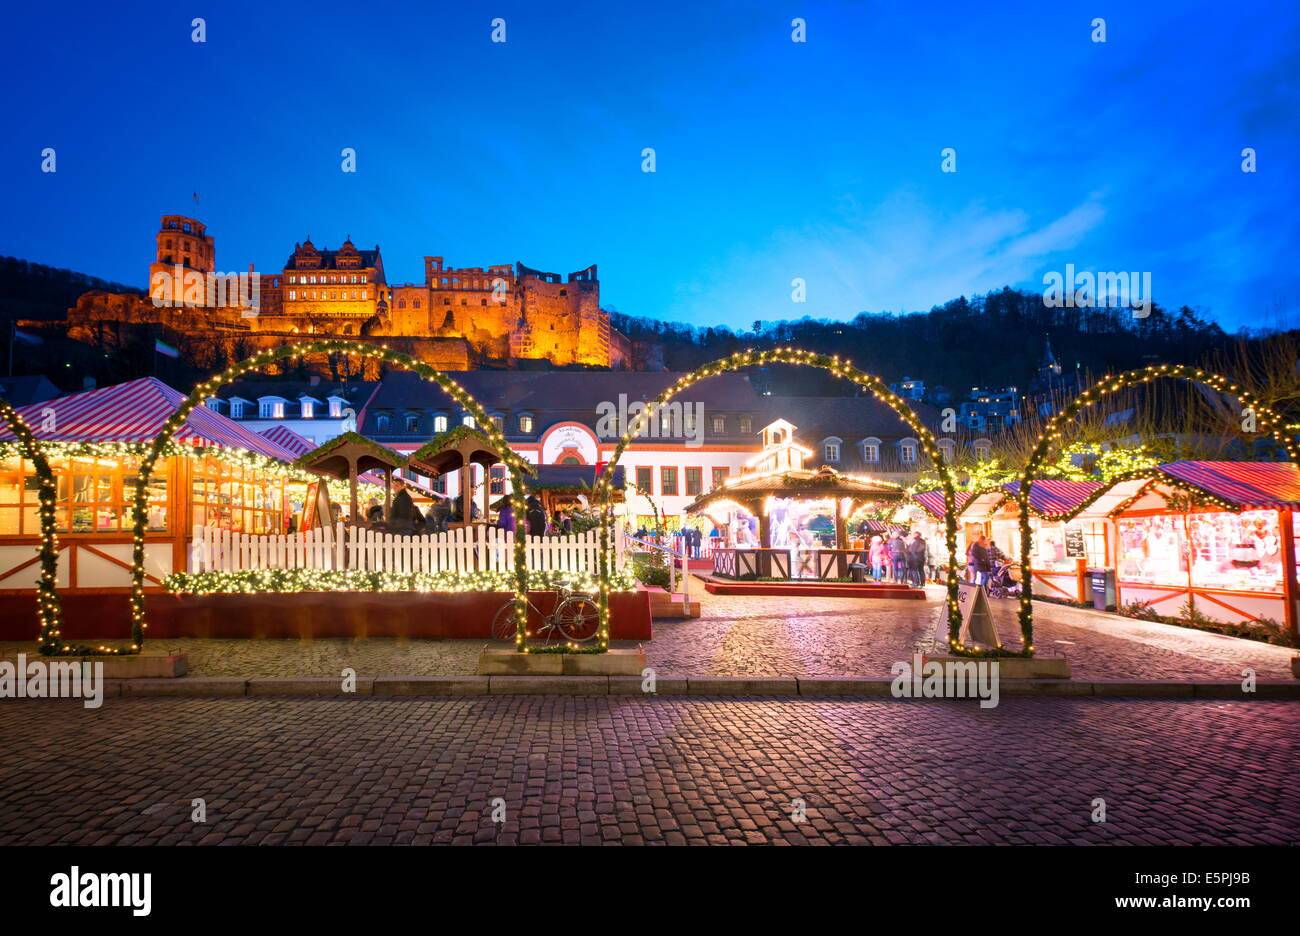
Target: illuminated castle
x: 458, y: 318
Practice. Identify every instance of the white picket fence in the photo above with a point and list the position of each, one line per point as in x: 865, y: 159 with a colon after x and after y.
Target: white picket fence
x: 475, y: 548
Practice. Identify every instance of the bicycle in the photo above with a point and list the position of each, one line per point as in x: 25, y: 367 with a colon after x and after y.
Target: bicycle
x: 576, y: 617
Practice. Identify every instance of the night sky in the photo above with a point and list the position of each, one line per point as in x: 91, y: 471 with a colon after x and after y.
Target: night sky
x: 775, y: 159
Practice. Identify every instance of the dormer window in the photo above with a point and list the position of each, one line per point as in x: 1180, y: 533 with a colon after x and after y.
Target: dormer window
x: 983, y: 449
x: 440, y: 423
x: 336, y: 408
x: 907, y: 451
x: 831, y: 450
x: 236, y: 409
x: 384, y: 423
x: 871, y: 451
x: 746, y: 426
x: 271, y: 409
x: 308, y: 408
x: 719, y: 425
x: 526, y: 424
x: 470, y: 421
x: 412, y: 422
x: 213, y: 403
x: 948, y: 449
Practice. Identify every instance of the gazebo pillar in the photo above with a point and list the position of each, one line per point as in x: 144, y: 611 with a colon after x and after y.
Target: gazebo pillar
x: 352, y: 488
x: 388, y: 494
x: 764, y: 529
x: 466, y: 492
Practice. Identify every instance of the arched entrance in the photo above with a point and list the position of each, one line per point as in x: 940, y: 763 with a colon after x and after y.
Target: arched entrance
x: 1265, y: 420
x: 839, y: 368
x: 513, y: 461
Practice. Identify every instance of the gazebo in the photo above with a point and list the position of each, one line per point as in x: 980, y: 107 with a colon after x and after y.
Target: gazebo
x: 349, y: 456
x: 766, y: 495
x: 459, y: 449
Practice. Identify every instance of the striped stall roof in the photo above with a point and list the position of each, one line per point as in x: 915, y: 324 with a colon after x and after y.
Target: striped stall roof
x: 933, y: 501
x: 1246, y: 484
x: 136, y: 411
x: 1055, y: 497
x: 285, y: 437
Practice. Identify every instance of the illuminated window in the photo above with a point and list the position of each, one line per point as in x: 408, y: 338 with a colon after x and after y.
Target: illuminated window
x: 720, y: 476
x: 907, y: 452
x: 871, y: 450
x: 468, y: 420
x: 746, y: 426
x: 525, y: 424
x: 440, y: 423
x: 694, y: 481
x: 668, y: 481
x: 831, y: 450
x: 719, y: 425
x: 308, y: 408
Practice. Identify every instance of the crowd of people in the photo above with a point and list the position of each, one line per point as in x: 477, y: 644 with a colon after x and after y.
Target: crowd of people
x: 406, y: 518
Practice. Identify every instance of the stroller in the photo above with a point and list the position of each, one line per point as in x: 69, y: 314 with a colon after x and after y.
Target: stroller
x: 1002, y: 581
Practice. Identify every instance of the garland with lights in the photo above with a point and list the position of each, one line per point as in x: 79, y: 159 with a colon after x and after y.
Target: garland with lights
x: 49, y: 610
x: 513, y: 461
x: 836, y: 366
x: 1266, y: 420
x: 293, y: 581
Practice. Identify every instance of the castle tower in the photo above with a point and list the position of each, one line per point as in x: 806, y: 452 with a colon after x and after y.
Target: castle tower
x: 184, y: 248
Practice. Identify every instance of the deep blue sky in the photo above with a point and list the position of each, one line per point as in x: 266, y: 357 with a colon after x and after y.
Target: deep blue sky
x: 775, y: 159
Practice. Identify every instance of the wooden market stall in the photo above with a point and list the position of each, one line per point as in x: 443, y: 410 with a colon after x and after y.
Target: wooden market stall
x: 348, y: 457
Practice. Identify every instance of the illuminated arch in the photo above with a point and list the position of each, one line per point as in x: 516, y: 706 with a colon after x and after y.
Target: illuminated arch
x: 839, y: 368
x: 49, y: 610
x: 513, y: 460
x: 1266, y: 419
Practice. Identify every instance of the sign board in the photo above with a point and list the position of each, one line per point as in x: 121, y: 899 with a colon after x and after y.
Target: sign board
x: 976, y: 616
x: 1074, y: 547
x: 316, y: 510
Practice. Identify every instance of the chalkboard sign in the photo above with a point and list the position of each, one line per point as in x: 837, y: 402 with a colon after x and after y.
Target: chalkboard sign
x: 1074, y: 547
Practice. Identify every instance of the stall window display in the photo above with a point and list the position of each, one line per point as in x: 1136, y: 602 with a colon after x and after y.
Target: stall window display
x: 1051, y: 543
x: 95, y: 495
x: 231, y: 497
x: 1231, y: 551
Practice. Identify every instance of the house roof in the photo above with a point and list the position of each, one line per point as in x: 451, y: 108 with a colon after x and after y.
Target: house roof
x: 136, y: 411
x: 20, y: 391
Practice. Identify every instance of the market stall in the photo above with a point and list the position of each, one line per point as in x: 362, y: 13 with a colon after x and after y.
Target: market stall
x: 1218, y: 537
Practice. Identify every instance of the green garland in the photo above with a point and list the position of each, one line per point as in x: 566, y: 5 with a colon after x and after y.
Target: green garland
x: 289, y: 581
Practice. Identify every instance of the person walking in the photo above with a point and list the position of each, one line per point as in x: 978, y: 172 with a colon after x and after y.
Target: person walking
x: 915, y: 549
x: 980, y: 559
x: 898, y: 557
x: 878, y: 556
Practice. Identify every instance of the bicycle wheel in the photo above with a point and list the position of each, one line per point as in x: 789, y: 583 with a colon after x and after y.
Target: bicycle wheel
x: 503, y: 624
x: 578, y: 619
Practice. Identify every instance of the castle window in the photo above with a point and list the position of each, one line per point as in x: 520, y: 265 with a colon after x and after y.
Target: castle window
x: 482, y: 302
x: 293, y: 294
x: 354, y: 294
x: 440, y: 423
x: 446, y: 302
x: 168, y: 242
x: 464, y: 302
x: 526, y: 424
x: 564, y: 292
x: 363, y: 294
x: 187, y: 227
x: 401, y: 303
x: 415, y: 304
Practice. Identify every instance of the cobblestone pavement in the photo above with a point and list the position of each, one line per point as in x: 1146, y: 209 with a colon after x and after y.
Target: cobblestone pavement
x: 634, y: 770
x: 748, y: 636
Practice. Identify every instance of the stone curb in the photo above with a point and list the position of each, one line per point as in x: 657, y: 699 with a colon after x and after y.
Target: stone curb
x: 710, y: 687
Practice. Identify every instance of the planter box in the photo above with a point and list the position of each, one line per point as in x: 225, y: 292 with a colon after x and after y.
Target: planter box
x: 493, y: 662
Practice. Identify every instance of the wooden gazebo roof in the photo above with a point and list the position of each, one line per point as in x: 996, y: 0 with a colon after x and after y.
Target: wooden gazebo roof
x: 334, y: 457
x: 799, y: 484
x: 454, y: 449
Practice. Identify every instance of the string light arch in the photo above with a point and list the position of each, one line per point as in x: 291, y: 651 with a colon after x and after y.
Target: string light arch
x: 840, y: 368
x: 514, y: 462
x: 49, y: 610
x: 1266, y: 419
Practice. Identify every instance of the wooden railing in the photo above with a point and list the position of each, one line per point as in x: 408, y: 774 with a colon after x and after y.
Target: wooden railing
x: 472, y: 548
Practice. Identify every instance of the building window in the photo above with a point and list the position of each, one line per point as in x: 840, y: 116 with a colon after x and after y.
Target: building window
x: 668, y: 481
x: 412, y: 423
x: 293, y: 294
x: 498, y: 482
x: 440, y: 423
x: 336, y: 409
x: 213, y: 403
x: 871, y: 451
x: 694, y: 481
x: 645, y: 480
x: 719, y: 425
x: 526, y: 424
x: 308, y: 409
x: 907, y: 452
x: 384, y: 423
x: 746, y: 426
x: 270, y: 409
x: 831, y: 451
x: 948, y: 449
x: 982, y: 450
x: 468, y: 420
x: 720, y: 476
x: 236, y: 409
